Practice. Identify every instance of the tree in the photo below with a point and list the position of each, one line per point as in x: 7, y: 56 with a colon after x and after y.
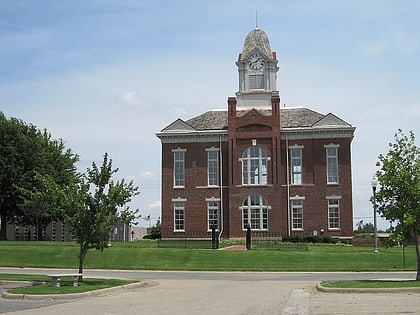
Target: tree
x: 128, y: 217
x: 398, y: 198
x: 27, y: 155
x: 365, y: 228
x: 91, y: 206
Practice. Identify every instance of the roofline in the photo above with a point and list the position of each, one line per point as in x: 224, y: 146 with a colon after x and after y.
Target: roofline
x: 183, y: 136
x: 193, y: 136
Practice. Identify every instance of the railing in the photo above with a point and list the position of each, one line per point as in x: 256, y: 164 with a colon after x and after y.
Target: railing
x: 274, y: 241
x: 191, y: 239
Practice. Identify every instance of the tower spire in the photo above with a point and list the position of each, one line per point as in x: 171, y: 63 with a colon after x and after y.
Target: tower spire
x: 256, y: 19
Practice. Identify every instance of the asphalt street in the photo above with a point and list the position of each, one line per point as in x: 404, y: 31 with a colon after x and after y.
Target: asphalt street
x: 223, y: 293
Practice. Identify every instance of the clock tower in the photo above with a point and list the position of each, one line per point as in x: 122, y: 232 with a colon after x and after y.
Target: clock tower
x: 257, y: 67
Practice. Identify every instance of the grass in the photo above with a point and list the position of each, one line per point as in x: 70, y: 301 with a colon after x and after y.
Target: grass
x: 23, y: 277
x: 42, y: 284
x: 145, y: 255
x: 363, y: 284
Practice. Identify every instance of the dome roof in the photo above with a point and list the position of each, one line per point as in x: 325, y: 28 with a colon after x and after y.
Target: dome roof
x: 256, y: 39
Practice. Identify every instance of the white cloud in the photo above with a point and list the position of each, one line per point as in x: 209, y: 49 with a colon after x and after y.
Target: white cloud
x: 147, y: 174
x: 131, y: 99
x: 156, y: 204
x: 112, y: 95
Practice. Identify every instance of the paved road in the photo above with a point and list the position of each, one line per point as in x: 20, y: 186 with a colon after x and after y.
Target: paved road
x: 226, y: 293
x: 185, y: 275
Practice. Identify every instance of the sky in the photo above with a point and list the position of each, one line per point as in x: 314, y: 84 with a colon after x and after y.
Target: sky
x: 107, y: 75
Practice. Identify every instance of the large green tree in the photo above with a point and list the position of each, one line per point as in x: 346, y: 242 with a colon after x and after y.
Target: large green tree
x: 91, y: 206
x: 398, y: 197
x: 27, y: 155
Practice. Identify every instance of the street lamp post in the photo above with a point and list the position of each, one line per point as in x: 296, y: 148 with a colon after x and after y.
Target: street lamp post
x: 374, y: 183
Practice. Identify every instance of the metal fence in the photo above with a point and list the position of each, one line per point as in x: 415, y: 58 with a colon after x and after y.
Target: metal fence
x: 191, y: 239
x: 275, y: 241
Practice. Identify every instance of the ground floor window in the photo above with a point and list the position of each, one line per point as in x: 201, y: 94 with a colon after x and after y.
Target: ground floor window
x: 213, y: 214
x: 179, y: 216
x: 297, y: 214
x: 255, y: 213
x: 333, y: 214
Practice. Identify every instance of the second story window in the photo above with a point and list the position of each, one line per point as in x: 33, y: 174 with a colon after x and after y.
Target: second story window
x: 213, y: 167
x: 254, y: 166
x: 179, y: 168
x: 296, y: 165
x: 332, y: 163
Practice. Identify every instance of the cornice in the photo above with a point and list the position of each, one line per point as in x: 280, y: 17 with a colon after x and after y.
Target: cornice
x: 189, y: 136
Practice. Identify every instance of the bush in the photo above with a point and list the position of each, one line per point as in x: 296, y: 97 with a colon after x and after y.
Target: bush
x: 310, y: 239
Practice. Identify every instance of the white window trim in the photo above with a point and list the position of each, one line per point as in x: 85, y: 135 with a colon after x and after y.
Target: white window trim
x: 212, y: 199
x: 241, y: 208
x: 327, y: 146
x: 297, y: 197
x: 332, y: 197
x: 339, y: 212
x: 260, y: 161
x: 179, y: 199
x: 296, y: 146
x: 174, y: 181
x: 212, y: 149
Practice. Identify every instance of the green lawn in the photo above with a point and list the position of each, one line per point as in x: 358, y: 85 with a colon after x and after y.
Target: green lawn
x: 145, y: 255
x: 371, y: 284
x: 42, y: 284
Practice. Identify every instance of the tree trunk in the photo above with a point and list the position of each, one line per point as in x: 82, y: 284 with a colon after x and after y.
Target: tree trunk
x: 82, y: 255
x: 416, y: 242
x: 3, y: 227
x: 39, y: 232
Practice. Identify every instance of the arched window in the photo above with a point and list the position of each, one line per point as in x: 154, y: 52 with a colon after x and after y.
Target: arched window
x: 254, y: 166
x: 255, y: 213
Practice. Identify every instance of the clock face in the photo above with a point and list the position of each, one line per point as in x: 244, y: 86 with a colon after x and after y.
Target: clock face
x: 256, y: 61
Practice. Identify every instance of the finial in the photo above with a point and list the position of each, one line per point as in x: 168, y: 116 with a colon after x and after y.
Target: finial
x: 256, y: 19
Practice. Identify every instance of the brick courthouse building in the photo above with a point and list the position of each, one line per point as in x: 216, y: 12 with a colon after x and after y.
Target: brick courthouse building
x: 283, y: 171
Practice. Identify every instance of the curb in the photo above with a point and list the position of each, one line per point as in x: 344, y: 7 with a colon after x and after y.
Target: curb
x: 322, y: 289
x: 71, y: 296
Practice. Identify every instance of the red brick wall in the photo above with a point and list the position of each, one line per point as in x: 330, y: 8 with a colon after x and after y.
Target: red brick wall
x: 196, y: 190
x: 241, y: 132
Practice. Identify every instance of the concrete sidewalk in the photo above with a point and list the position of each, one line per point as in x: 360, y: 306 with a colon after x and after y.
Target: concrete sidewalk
x: 175, y: 296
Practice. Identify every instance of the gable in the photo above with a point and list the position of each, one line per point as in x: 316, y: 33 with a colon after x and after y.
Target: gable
x: 330, y: 120
x: 178, y: 125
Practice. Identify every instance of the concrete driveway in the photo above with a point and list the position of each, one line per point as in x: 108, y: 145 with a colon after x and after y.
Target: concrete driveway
x: 227, y: 296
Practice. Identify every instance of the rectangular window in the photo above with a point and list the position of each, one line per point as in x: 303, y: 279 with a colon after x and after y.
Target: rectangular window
x: 179, y: 168
x: 179, y: 216
x: 254, y: 166
x: 213, y: 167
x: 332, y: 164
x: 255, y: 213
x: 333, y: 214
x: 297, y: 214
x: 296, y: 165
x: 213, y: 214
x: 256, y: 218
x: 256, y: 81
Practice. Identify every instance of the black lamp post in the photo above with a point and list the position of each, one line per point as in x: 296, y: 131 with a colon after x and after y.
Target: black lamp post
x: 374, y: 183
